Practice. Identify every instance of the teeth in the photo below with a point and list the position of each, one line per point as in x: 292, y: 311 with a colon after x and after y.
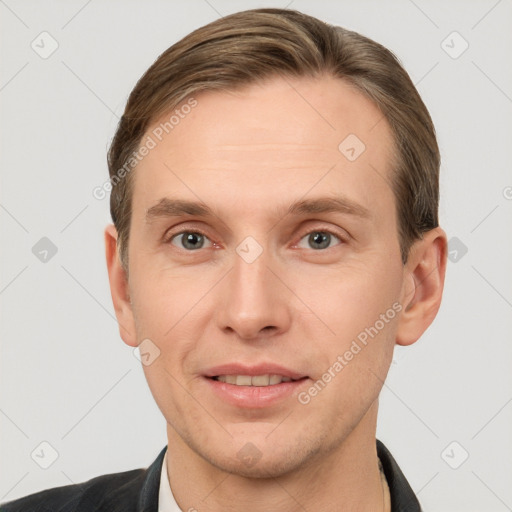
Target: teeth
x: 256, y: 380
x: 243, y: 380
x: 275, y: 379
x: 259, y: 380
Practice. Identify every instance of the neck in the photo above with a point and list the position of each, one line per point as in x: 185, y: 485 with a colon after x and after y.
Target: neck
x: 345, y: 477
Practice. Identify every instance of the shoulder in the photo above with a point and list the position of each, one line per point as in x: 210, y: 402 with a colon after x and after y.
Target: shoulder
x: 114, y: 492
x: 128, y: 491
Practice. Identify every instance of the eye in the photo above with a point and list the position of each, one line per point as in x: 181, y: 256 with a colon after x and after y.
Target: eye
x: 190, y: 240
x: 318, y: 240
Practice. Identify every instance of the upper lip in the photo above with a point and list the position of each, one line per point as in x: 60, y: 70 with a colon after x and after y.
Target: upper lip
x: 258, y: 369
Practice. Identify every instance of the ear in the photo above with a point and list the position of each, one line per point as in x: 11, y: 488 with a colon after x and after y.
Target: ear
x: 119, y: 288
x: 423, y: 286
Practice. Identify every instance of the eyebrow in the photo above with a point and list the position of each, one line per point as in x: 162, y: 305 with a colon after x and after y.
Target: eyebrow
x: 329, y: 205
x: 168, y: 207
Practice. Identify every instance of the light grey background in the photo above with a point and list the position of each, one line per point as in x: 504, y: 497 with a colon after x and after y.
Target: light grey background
x: 67, y: 378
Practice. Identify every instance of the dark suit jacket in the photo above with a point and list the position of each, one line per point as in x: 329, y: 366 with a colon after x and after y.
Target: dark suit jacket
x: 137, y: 491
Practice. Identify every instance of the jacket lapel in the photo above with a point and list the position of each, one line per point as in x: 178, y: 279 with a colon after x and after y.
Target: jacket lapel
x: 148, y: 497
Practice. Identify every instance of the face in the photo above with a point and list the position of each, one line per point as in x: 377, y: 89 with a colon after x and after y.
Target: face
x: 264, y: 265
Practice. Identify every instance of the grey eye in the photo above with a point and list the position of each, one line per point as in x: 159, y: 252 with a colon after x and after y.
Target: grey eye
x: 189, y: 240
x: 318, y: 240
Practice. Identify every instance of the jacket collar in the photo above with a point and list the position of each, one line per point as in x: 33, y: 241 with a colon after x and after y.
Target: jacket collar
x: 148, y: 497
x: 403, y: 498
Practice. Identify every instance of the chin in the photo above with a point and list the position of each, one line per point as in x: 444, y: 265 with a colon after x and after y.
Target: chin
x: 262, y: 459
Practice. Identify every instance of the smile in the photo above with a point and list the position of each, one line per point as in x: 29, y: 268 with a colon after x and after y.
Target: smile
x: 253, y: 380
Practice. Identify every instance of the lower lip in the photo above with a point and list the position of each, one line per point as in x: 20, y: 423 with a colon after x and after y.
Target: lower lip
x: 254, y: 397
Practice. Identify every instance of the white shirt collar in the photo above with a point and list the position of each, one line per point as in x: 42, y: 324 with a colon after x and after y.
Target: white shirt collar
x: 166, y: 501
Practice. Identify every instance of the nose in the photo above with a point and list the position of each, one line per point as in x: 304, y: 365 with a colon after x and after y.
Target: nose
x: 253, y: 302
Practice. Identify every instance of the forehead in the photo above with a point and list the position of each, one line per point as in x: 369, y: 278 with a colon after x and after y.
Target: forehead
x: 271, y: 139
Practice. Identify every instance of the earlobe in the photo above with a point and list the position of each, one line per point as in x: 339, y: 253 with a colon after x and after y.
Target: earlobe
x: 423, y: 286
x: 119, y: 288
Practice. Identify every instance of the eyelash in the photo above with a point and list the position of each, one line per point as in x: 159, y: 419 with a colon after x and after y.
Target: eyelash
x: 342, y: 240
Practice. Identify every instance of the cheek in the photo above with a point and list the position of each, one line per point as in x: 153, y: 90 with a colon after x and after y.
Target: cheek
x: 359, y: 304
x: 172, y: 311
x: 353, y: 362
x: 171, y: 396
x: 350, y: 298
x: 163, y: 300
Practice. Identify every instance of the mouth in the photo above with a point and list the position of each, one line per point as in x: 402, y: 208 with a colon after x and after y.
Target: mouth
x: 254, y: 387
x: 254, y: 380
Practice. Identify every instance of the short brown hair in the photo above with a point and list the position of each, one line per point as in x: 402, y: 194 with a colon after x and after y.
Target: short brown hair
x: 249, y: 46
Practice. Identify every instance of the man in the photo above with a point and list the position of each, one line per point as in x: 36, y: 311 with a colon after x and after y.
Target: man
x: 274, y: 199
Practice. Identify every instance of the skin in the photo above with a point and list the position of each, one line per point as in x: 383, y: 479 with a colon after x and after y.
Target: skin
x: 248, y: 155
